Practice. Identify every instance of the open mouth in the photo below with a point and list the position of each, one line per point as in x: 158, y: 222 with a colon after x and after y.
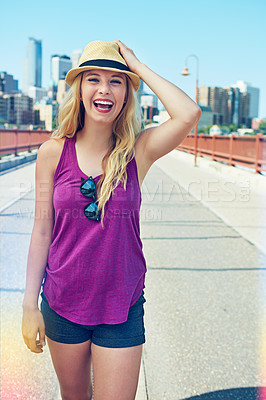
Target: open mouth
x: 103, y: 105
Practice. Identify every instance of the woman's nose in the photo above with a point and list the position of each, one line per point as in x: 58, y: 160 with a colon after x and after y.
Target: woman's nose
x: 104, y: 88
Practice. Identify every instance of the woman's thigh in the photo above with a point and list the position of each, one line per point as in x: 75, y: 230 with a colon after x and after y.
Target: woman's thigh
x: 116, y: 372
x: 72, y: 364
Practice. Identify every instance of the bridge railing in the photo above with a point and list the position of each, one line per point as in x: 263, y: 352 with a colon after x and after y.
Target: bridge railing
x: 248, y: 150
x: 13, y: 141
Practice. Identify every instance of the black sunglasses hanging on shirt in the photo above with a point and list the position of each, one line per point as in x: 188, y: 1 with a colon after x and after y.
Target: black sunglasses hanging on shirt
x: 88, y: 189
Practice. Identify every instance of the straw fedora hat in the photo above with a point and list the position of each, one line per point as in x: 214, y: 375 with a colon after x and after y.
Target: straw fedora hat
x: 102, y: 55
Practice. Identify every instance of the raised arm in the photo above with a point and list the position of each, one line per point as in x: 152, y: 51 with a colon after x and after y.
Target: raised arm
x: 184, y: 113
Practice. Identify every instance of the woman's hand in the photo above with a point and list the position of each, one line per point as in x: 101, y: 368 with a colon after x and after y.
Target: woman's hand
x: 129, y: 56
x: 32, y: 324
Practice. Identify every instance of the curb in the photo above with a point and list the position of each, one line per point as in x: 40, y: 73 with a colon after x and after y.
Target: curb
x: 13, y: 161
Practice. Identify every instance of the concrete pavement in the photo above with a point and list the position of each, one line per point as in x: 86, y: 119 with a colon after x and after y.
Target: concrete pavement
x: 205, y: 283
x: 204, y: 287
x: 237, y: 196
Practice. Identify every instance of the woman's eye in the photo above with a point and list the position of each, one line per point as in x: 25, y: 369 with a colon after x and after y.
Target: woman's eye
x: 93, y: 80
x: 116, y: 81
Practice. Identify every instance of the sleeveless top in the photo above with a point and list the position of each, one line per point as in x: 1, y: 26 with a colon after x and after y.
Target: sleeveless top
x: 93, y: 275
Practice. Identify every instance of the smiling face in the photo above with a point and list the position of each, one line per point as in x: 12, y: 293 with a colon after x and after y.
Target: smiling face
x: 103, y: 94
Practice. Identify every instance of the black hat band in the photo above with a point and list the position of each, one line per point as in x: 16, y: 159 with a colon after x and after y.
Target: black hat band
x: 105, y: 63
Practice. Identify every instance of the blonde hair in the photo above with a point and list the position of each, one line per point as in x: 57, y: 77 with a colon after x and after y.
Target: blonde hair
x: 125, y: 129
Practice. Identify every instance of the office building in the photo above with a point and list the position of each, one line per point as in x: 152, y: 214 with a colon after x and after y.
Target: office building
x: 233, y: 105
x: 7, y: 83
x: 149, y: 105
x: 76, y: 54
x: 238, y: 107
x: 60, y: 65
x: 149, y: 100
x: 256, y: 123
x: 244, y: 110
x: 229, y: 105
x: 3, y: 107
x: 45, y: 114
x: 36, y: 93
x: 52, y: 90
x: 216, y: 98
x: 254, y: 97
x: 33, y: 65
x: 206, y: 118
x: 47, y: 111
x: 61, y: 90
x: 140, y: 92
x: 19, y: 109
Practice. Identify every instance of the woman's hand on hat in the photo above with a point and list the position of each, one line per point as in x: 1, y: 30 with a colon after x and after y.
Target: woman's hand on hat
x: 129, y: 56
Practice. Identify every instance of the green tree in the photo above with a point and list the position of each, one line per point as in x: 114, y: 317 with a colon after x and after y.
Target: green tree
x: 232, y: 127
x: 54, y: 124
x: 205, y: 130
x: 263, y: 127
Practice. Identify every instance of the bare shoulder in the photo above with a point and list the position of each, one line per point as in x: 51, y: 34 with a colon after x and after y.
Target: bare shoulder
x: 142, y: 161
x: 49, y: 152
x: 47, y: 159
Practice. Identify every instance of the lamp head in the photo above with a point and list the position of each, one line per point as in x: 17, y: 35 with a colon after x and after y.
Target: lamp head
x: 185, y: 71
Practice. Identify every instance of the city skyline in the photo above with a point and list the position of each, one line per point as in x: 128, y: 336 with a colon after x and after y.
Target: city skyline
x: 226, y: 40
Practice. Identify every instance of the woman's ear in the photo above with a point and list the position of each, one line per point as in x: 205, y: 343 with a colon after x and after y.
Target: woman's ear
x: 80, y: 89
x: 126, y: 95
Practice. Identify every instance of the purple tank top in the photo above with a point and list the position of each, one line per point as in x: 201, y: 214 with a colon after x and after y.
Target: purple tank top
x: 94, y: 275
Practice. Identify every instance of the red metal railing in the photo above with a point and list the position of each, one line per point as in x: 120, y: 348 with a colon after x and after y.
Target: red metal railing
x: 13, y: 141
x: 248, y: 150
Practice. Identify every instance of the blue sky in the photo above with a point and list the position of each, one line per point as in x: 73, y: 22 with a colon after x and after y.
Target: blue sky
x: 229, y: 37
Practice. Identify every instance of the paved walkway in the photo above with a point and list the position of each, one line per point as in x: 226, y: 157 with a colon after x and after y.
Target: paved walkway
x: 205, y: 285
x: 235, y: 195
x: 205, y: 282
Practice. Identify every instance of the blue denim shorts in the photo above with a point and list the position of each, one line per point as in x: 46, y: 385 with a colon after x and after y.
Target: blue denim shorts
x: 127, y: 334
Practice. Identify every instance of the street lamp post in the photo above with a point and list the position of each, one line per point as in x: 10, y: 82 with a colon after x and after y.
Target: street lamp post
x: 186, y: 72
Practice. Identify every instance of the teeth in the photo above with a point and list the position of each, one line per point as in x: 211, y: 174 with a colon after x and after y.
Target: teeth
x: 107, y: 103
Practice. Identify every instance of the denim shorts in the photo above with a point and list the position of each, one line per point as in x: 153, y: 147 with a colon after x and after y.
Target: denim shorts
x: 127, y: 334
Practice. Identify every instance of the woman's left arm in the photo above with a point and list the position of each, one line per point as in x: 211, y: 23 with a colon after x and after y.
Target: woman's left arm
x: 184, y: 113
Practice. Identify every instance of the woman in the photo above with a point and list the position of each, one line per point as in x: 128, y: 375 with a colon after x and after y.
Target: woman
x: 86, y: 241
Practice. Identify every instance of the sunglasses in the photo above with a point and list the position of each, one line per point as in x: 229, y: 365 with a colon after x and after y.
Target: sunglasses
x: 88, y: 189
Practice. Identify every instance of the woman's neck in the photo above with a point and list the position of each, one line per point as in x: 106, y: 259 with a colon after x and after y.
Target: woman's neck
x: 96, y: 137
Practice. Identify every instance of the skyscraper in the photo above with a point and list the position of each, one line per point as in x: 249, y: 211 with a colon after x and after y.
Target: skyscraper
x: 238, y: 107
x: 33, y: 65
x: 19, y: 109
x: 75, y: 57
x: 254, y: 97
x: 7, y: 83
x: 230, y: 105
x: 216, y: 98
x: 60, y: 65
